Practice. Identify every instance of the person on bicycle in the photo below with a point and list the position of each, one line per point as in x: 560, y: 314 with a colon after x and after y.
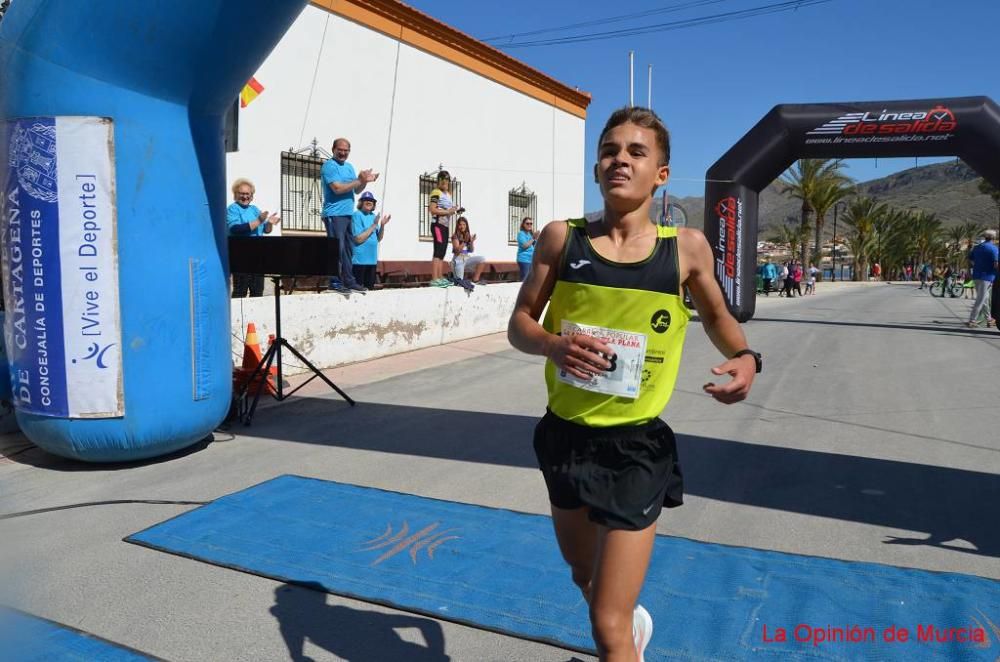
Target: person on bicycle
x: 947, y: 275
x: 983, y: 260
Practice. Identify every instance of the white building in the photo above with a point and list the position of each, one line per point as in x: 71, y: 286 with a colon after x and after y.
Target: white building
x: 411, y: 94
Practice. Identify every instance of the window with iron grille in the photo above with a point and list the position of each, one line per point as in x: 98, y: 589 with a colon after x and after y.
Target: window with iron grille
x: 301, y: 192
x: 521, y: 202
x: 428, y: 182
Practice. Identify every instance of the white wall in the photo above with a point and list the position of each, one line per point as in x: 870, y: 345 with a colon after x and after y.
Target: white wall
x: 332, y: 330
x: 490, y: 137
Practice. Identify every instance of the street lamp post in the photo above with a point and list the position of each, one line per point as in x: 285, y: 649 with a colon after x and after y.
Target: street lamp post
x: 834, y: 251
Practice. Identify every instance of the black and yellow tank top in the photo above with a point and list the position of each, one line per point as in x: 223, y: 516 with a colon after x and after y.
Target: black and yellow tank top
x: 638, y: 304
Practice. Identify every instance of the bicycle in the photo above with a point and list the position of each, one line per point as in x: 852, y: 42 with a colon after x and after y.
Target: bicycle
x: 954, y: 289
x: 968, y: 289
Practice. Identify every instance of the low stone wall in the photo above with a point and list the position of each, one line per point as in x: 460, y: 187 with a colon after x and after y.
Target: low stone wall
x: 333, y: 329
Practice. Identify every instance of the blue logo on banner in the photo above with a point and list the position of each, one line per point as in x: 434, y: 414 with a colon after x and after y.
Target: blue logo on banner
x: 97, y: 353
x: 31, y: 268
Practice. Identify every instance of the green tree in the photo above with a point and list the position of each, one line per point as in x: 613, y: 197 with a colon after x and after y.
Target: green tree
x: 810, y: 182
x: 829, y: 193
x: 968, y: 234
x: 955, y: 238
x: 928, y: 238
x: 861, y: 217
x: 893, y: 240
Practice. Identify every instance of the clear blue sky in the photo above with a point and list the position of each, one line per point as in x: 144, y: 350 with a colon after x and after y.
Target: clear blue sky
x: 712, y: 83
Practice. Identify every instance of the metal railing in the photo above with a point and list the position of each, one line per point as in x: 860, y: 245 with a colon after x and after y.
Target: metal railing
x: 521, y: 202
x: 301, y: 192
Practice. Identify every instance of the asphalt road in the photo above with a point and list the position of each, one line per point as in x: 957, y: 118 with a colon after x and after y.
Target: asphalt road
x: 870, y: 436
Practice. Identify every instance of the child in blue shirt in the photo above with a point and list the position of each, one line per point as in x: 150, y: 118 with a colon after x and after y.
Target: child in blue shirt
x: 367, y: 228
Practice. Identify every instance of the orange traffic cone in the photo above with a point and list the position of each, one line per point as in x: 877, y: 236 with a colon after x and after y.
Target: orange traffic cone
x: 251, y: 349
x: 252, y: 358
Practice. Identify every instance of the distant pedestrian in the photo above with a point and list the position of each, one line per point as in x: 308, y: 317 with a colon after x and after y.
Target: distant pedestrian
x: 797, y: 278
x: 926, y: 273
x: 527, y: 237
x: 983, y: 260
x: 770, y: 275
x: 785, y: 278
x: 811, y: 280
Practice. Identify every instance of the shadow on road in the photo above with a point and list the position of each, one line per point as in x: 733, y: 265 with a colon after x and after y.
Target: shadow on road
x: 351, y: 634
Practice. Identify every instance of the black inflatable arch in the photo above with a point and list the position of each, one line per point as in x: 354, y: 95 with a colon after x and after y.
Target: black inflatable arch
x: 966, y: 127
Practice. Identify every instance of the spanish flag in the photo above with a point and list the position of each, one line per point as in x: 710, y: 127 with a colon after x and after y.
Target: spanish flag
x: 250, y: 92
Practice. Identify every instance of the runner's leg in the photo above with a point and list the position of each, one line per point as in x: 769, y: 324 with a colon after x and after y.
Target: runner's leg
x: 622, y: 559
x: 577, y: 538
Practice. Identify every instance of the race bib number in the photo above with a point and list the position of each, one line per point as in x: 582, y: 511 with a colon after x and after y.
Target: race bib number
x: 624, y: 376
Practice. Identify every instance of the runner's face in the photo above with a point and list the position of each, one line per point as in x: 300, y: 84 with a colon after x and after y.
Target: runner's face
x: 628, y: 166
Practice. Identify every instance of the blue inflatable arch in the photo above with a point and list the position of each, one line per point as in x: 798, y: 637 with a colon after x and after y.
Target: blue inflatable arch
x: 114, y: 252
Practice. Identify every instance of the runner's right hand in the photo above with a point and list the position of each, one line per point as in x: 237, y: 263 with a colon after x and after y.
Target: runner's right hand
x: 579, y: 355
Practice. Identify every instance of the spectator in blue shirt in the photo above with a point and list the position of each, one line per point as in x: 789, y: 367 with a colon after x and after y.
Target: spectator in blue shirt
x: 983, y: 260
x: 367, y: 228
x: 340, y: 183
x: 244, y: 219
x: 769, y: 273
x: 526, y: 240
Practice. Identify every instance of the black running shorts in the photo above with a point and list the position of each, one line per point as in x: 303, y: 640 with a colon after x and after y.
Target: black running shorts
x: 439, y: 233
x: 624, y: 474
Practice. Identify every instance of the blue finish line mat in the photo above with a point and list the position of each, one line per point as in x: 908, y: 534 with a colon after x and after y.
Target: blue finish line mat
x: 27, y: 638
x: 501, y: 570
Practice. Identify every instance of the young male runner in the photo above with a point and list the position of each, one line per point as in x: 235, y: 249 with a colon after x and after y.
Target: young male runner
x: 613, y: 336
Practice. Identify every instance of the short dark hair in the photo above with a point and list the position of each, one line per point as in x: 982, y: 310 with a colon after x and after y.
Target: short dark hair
x: 645, y: 118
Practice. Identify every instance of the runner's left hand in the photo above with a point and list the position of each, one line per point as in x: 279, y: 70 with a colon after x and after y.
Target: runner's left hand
x: 742, y: 371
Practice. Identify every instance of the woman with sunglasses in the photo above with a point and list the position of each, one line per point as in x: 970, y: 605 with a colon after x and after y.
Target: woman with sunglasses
x: 526, y: 240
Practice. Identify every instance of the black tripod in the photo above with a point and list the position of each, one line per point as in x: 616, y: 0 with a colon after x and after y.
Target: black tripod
x: 264, y: 368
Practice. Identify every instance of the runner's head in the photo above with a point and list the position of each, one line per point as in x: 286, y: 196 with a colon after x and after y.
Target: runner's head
x: 633, y: 155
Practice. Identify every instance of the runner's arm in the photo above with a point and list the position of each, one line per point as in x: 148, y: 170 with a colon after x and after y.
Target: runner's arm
x: 723, y: 330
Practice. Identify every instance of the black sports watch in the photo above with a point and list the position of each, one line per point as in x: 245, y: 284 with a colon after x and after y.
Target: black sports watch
x: 755, y: 355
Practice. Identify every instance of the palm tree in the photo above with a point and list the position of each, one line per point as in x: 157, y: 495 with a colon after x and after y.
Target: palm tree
x: 972, y: 231
x: 893, y: 240
x: 807, y: 182
x: 928, y: 237
x: 861, y: 217
x: 956, y: 235
x: 829, y: 193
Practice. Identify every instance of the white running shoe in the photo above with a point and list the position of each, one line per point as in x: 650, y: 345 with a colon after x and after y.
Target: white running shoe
x: 642, y: 630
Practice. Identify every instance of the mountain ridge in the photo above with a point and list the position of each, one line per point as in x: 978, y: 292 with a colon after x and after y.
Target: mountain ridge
x: 949, y: 190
